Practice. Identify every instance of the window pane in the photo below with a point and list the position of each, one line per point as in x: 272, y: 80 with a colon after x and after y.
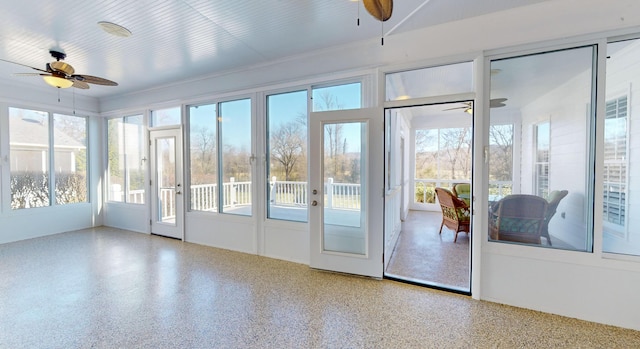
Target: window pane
x: 115, y: 149
x: 70, y: 158
x: 621, y: 198
x: 235, y: 129
x: 337, y: 97
x: 501, y: 160
x: 287, y: 147
x: 134, y: 136
x: 541, y: 165
x: 428, y: 82
x: 126, y: 149
x: 203, y: 158
x: 165, y: 117
x: 29, y: 157
x: 548, y: 103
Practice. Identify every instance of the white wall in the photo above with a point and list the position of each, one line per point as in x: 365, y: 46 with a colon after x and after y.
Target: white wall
x: 30, y: 223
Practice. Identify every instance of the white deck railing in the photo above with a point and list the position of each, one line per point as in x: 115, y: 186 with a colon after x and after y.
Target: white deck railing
x: 204, y: 197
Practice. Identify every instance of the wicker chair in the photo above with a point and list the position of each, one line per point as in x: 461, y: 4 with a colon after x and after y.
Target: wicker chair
x: 518, y: 218
x: 455, y: 212
x: 554, y: 200
x: 462, y: 191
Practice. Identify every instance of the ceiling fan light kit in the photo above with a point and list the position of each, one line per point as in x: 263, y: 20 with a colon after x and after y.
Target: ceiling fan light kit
x: 57, y: 81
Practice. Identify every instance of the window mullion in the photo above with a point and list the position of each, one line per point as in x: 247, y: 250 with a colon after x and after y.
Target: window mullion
x: 51, y: 157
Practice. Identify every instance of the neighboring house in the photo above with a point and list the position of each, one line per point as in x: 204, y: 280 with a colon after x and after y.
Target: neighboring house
x: 29, y: 145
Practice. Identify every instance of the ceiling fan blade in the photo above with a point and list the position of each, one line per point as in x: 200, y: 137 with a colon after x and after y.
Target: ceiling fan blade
x: 80, y: 84
x: 28, y: 74
x: 62, y: 67
x: 497, y: 102
x: 94, y: 80
x: 24, y: 65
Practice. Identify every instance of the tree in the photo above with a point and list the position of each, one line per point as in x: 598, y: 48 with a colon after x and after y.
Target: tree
x: 287, y: 146
x: 203, y: 155
x: 501, y: 152
x: 455, y: 144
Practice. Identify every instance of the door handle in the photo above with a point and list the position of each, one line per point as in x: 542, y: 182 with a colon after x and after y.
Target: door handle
x: 314, y: 203
x: 178, y: 192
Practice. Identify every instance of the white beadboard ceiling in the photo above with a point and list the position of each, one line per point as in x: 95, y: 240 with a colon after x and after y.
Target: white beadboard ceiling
x: 177, y: 40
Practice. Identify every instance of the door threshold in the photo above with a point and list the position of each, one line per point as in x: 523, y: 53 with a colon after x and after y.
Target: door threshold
x: 433, y: 285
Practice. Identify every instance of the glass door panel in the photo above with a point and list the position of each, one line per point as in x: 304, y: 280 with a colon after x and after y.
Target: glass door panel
x: 344, y: 212
x: 166, y: 180
x: 345, y: 183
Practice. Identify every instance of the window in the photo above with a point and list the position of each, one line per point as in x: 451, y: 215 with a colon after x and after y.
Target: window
x: 615, y: 162
x: 126, y: 159
x: 203, y: 157
x: 347, y: 96
x: 501, y: 140
x: 621, y: 198
x: 165, y: 117
x: 442, y: 158
x: 29, y: 155
x: 31, y: 159
x: 434, y: 81
x: 70, y: 158
x: 287, y: 149
x: 548, y: 101
x: 220, y: 157
x: 236, y: 156
x: 541, y: 161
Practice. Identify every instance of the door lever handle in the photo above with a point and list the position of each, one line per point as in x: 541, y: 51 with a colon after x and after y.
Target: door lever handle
x: 178, y: 192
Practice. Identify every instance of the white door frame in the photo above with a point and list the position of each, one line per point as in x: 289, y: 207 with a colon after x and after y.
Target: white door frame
x: 174, y: 193
x: 370, y: 263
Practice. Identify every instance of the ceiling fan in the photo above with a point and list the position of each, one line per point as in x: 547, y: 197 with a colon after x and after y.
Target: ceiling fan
x: 494, y: 103
x: 62, y: 75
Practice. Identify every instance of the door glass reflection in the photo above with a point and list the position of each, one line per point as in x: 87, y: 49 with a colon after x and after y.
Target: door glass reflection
x: 344, y: 165
x: 166, y: 180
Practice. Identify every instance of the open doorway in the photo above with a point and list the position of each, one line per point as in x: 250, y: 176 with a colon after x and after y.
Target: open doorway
x: 428, y: 199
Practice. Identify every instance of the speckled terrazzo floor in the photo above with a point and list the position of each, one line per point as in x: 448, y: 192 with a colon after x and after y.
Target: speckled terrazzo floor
x: 106, y: 288
x: 423, y: 255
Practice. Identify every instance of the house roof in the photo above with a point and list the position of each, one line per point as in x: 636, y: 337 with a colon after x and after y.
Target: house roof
x: 29, y: 130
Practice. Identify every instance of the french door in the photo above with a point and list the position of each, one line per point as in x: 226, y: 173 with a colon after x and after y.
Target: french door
x: 167, y: 198
x: 346, y: 191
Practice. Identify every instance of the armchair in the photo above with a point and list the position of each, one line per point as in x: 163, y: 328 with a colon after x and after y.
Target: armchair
x: 518, y: 218
x: 462, y: 191
x: 455, y: 212
x: 553, y: 202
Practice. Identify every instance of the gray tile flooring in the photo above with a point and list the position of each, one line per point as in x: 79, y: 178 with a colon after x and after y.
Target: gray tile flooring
x: 107, y: 288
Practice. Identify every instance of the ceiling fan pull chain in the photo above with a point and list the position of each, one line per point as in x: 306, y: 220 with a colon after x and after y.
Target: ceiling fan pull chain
x: 358, y: 13
x: 381, y: 33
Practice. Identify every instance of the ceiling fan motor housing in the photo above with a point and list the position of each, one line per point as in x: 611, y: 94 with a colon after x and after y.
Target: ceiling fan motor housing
x: 57, y: 55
